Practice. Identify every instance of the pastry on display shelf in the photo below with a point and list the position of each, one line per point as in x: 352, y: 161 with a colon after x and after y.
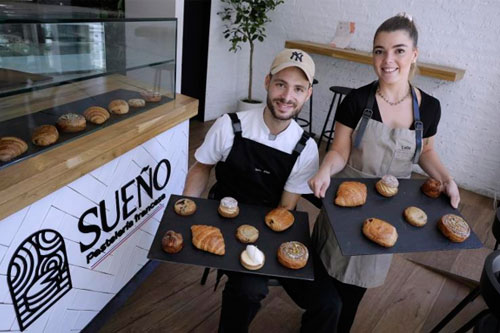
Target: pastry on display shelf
x: 96, y: 114
x: 71, y: 122
x: 45, y: 135
x: 11, y: 147
x: 118, y: 106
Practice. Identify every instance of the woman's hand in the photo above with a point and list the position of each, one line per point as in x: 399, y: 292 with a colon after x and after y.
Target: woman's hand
x: 320, y: 182
x: 451, y: 189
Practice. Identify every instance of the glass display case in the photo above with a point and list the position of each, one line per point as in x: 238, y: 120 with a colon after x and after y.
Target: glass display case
x: 53, y: 71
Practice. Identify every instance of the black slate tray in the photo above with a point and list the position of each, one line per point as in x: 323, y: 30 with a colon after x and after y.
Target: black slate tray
x: 22, y: 127
x: 268, y: 241
x: 347, y: 222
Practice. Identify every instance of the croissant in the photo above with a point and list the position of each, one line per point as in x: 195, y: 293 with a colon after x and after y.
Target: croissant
x: 351, y: 194
x: 96, y: 114
x: 208, y: 238
x: 11, y: 147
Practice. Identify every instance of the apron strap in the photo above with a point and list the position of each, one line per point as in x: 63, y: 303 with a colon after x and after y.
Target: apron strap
x: 301, y: 144
x: 236, y: 124
x: 419, y: 126
x: 367, y: 114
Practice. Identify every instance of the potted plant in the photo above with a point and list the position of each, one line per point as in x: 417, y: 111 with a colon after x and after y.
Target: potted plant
x: 245, y: 23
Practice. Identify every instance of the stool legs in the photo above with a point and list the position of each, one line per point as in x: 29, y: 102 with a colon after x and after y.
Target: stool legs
x: 205, y: 275
x: 469, y: 298
x: 324, y: 131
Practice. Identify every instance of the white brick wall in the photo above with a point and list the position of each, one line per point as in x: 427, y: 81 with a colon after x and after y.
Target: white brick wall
x: 461, y: 34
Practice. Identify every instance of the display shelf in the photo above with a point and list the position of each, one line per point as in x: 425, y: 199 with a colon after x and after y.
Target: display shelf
x: 430, y: 70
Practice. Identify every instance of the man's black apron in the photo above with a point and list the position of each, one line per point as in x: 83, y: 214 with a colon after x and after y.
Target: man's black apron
x: 254, y: 173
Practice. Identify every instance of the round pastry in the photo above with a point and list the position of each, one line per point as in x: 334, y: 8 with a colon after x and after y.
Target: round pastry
x: 431, y: 188
x: 228, y: 207
x: 252, y: 258
x: 44, y: 135
x: 387, y: 186
x: 151, y: 96
x: 136, y: 102
x: 454, y: 228
x: 247, y: 233
x: 71, y: 122
x: 293, y: 255
x: 118, y: 106
x: 185, y: 207
x: 11, y: 147
x: 172, y: 242
x: 96, y: 114
x: 415, y: 216
x: 279, y: 219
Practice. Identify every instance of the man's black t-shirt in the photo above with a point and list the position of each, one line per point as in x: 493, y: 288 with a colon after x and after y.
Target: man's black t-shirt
x: 351, y: 110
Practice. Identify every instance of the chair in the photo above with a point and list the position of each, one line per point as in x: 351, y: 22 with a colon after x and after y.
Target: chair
x: 496, y: 228
x: 338, y: 94
x: 304, y: 122
x: 487, y: 320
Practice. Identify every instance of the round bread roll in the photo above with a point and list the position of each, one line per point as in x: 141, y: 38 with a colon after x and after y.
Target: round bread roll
x: 454, y: 228
x: 387, y: 186
x: 45, y: 135
x: 252, y: 258
x: 185, y: 207
x: 96, y: 114
x: 279, y: 219
x: 151, y: 96
x: 228, y: 207
x: 415, y: 216
x: 247, y: 233
x: 11, y: 147
x: 293, y: 255
x: 172, y: 242
x: 136, y: 102
x: 118, y: 106
x: 431, y: 188
x: 71, y: 122
x: 381, y: 232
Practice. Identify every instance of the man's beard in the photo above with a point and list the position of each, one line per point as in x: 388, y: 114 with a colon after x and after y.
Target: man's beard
x: 282, y: 100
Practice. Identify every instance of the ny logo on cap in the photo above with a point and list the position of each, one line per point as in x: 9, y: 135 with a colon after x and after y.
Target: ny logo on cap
x: 297, y: 56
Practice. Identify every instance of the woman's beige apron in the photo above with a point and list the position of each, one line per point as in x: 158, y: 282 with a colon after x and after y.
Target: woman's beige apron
x: 382, y: 150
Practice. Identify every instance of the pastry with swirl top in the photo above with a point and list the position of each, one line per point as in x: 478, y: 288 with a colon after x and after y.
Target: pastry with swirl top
x: 293, y: 255
x: 454, y: 228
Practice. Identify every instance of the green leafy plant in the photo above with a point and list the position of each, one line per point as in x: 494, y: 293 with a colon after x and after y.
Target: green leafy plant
x: 245, y: 22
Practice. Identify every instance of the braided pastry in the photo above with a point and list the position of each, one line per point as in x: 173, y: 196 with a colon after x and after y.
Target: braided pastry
x: 96, y: 114
x: 45, y: 135
x: 11, y: 147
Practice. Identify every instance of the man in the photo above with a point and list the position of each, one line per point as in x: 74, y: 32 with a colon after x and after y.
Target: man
x: 263, y: 157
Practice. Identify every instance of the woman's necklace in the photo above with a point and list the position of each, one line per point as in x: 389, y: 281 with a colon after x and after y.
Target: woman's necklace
x: 392, y: 103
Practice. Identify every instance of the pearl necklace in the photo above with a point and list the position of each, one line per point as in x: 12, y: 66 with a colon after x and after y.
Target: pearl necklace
x: 392, y: 103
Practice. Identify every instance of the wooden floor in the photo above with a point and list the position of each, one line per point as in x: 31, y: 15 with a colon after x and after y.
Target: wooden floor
x: 414, y: 297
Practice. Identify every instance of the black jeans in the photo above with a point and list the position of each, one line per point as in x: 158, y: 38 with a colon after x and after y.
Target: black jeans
x: 319, y: 298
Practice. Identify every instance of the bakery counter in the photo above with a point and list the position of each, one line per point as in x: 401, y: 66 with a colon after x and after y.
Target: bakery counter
x: 45, y: 170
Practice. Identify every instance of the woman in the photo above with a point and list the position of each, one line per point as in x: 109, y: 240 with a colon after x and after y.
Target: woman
x: 381, y: 128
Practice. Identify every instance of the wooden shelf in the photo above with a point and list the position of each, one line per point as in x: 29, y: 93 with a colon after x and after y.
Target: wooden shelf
x: 435, y: 71
x: 34, y: 178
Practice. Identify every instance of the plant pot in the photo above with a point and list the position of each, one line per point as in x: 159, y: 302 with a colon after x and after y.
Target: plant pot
x: 244, y: 104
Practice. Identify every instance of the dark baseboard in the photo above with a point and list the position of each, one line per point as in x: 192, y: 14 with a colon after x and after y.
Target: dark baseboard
x: 120, y: 298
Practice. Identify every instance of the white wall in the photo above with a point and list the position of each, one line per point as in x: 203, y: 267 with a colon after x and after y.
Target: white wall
x: 461, y: 34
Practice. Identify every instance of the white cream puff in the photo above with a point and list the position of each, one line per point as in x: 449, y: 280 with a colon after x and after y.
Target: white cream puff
x: 228, y: 207
x: 252, y: 258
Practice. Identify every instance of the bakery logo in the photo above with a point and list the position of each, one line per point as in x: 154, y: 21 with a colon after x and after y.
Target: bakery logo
x: 405, y: 147
x: 128, y: 218
x: 297, y: 56
x: 38, y: 275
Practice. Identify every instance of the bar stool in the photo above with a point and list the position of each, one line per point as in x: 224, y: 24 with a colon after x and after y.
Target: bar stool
x: 489, y: 288
x: 496, y: 228
x: 304, y: 122
x: 338, y: 94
